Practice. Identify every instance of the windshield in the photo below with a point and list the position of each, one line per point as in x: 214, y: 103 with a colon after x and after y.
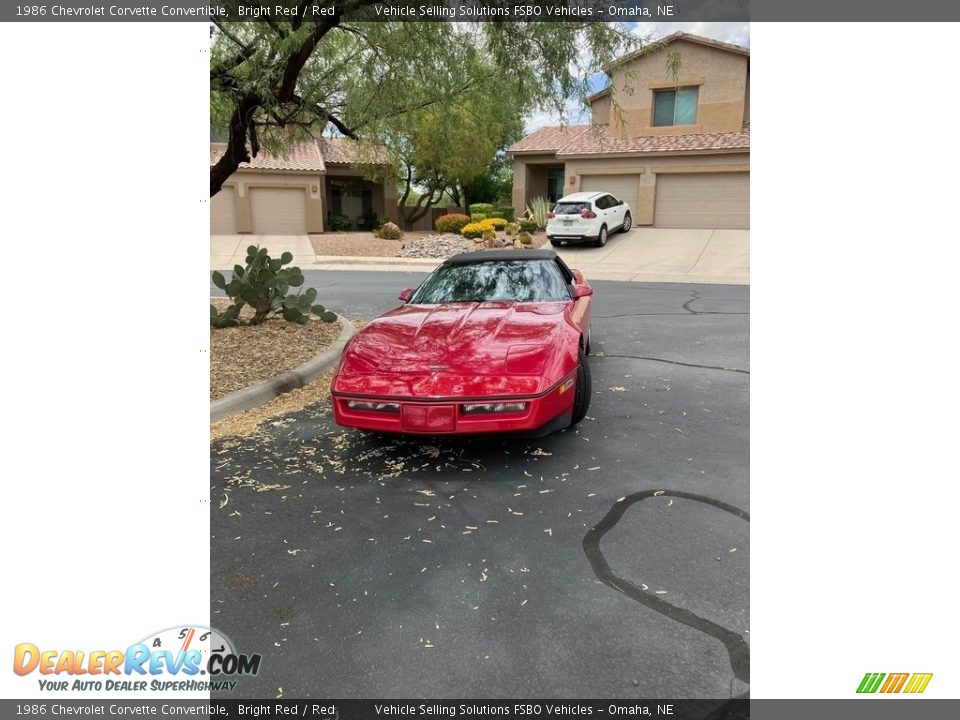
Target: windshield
x: 496, y: 281
x: 570, y: 208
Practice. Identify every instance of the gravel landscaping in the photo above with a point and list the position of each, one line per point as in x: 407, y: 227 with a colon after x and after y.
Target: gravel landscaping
x: 354, y: 244
x: 247, y: 355
x: 412, y: 245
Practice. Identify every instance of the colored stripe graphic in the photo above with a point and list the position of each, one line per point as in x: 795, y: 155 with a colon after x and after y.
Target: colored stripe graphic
x: 870, y: 682
x: 918, y: 682
x: 894, y: 682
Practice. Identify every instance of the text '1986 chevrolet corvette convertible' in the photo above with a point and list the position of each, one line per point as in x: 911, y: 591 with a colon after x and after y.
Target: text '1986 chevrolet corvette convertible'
x: 491, y: 342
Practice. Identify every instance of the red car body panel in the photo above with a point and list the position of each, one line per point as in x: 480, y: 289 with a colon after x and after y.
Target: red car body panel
x: 427, y: 362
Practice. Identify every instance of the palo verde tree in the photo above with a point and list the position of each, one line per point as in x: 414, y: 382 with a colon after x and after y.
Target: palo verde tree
x: 272, y: 80
x: 441, y: 147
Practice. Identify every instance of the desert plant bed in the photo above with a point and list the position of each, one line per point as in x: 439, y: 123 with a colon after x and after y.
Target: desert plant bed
x: 249, y: 354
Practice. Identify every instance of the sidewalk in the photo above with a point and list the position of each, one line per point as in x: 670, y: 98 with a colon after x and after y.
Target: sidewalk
x: 642, y: 255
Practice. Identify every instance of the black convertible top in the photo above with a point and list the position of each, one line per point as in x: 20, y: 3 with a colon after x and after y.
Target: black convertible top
x: 479, y: 256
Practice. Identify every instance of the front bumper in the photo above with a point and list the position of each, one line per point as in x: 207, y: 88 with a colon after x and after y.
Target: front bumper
x: 541, y: 415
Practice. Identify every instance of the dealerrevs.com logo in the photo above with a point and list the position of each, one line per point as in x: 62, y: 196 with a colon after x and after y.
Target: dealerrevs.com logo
x: 910, y: 683
x: 182, y: 659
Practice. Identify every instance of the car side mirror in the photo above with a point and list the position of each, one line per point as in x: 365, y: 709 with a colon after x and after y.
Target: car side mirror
x: 619, y: 203
x: 406, y: 294
x: 580, y: 291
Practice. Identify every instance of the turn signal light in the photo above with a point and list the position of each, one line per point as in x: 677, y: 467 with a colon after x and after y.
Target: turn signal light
x: 506, y: 407
x: 373, y: 406
x: 588, y: 214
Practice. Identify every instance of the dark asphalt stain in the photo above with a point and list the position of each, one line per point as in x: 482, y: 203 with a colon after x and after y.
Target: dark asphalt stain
x: 737, y: 647
x: 663, y: 314
x: 696, y: 298
x: 670, y: 362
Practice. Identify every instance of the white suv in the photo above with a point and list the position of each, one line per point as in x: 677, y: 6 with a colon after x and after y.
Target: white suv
x: 587, y: 217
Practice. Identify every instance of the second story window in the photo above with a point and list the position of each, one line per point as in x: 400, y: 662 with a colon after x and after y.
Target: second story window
x: 675, y: 107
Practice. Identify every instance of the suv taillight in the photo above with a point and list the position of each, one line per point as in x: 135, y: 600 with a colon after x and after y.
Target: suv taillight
x: 588, y: 214
x: 551, y: 215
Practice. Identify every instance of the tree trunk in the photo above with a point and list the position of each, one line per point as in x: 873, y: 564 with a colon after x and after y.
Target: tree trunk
x: 236, y: 151
x: 418, y: 210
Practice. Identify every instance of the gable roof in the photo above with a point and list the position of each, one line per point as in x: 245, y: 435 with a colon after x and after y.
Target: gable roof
x: 573, y: 140
x: 662, y: 42
x: 306, y: 156
x: 343, y: 151
x: 672, y: 38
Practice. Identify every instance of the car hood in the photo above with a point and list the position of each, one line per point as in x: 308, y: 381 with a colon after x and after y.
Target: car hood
x: 458, y: 338
x: 460, y: 346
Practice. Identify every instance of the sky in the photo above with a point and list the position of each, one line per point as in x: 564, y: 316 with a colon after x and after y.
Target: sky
x: 737, y: 33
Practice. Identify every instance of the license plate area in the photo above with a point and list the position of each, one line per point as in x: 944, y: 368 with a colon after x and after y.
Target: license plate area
x: 418, y: 417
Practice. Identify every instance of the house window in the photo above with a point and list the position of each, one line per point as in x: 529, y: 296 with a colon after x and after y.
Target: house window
x: 675, y: 107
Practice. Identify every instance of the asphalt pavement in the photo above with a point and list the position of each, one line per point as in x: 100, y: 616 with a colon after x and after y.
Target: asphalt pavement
x: 608, y: 560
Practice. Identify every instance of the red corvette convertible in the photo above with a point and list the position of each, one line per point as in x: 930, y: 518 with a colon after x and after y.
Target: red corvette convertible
x: 491, y: 342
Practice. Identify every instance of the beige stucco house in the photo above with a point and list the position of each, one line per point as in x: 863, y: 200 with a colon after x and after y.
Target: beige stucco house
x: 676, y: 149
x: 297, y: 193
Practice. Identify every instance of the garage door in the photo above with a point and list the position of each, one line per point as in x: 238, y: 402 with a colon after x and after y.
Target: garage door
x: 622, y: 187
x: 278, y: 211
x: 703, y: 200
x: 223, y: 219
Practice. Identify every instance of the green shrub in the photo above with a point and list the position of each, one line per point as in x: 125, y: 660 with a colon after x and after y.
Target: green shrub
x: 264, y: 284
x: 489, y: 235
x: 478, y: 217
x: 525, y: 238
x: 482, y: 208
x: 338, y: 222
x: 528, y: 226
x: 512, y: 229
x: 506, y: 213
x: 451, y: 222
x: 389, y: 231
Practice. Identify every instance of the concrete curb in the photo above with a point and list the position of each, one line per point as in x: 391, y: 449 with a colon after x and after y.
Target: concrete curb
x: 347, y: 262
x: 255, y: 395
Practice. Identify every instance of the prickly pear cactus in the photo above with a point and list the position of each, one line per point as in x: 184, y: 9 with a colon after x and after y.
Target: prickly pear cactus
x: 264, y: 285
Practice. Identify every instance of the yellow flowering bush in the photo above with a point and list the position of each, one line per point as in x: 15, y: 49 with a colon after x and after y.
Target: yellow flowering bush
x: 476, y: 229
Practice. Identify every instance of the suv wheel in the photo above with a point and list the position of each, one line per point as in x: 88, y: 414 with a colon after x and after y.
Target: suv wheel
x: 602, y: 237
x: 627, y: 223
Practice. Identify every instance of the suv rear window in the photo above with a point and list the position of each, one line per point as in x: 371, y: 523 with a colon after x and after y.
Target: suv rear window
x: 571, y: 208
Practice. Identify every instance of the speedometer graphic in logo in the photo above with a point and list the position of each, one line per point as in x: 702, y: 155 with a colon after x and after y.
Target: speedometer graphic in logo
x: 199, y: 648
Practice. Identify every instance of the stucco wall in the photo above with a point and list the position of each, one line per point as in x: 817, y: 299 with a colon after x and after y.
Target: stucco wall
x: 721, y: 77
x: 530, y: 179
x: 600, y: 111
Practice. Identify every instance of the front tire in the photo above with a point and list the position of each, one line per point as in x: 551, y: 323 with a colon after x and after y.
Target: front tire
x: 602, y: 237
x: 627, y: 223
x: 581, y: 400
